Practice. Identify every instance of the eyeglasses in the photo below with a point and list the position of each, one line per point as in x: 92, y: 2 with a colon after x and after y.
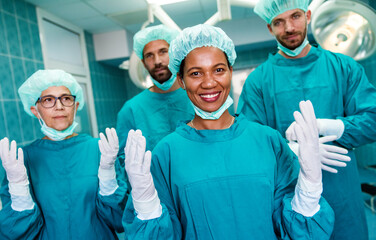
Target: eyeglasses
x: 50, y: 101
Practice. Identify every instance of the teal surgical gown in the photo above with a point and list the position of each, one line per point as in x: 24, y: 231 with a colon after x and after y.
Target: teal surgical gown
x: 155, y: 114
x: 236, y: 183
x: 339, y: 89
x: 64, y: 185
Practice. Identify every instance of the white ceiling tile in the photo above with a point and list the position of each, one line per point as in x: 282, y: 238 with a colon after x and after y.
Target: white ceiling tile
x: 72, y: 11
x: 98, y: 25
x: 115, y: 6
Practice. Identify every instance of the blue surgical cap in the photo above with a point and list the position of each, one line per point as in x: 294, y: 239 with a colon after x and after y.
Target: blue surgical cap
x: 269, y: 9
x: 146, y: 35
x: 33, y: 87
x: 199, y: 36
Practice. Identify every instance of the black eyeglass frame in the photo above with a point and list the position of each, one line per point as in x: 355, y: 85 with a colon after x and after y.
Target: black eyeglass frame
x: 56, y: 98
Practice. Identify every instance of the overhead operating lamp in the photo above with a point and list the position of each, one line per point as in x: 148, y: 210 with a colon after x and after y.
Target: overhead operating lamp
x: 344, y: 26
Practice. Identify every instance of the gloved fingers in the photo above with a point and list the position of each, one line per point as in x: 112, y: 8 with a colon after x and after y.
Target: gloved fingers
x: 20, y: 157
x: 147, y: 162
x: 333, y: 163
x: 2, y: 149
x: 113, y: 142
x: 104, y: 142
x: 128, y: 142
x: 336, y: 156
x: 141, y: 147
x: 328, y: 169
x: 290, y: 132
x: 308, y: 114
x: 300, y: 124
x: 101, y: 148
x: 13, y: 151
x: 326, y: 139
x: 115, y: 138
x: 334, y: 149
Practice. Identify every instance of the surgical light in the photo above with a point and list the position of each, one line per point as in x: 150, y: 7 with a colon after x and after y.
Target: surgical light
x: 347, y: 27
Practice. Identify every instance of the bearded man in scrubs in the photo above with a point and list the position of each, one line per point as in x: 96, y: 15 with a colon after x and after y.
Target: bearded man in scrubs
x: 156, y: 110
x: 343, y: 98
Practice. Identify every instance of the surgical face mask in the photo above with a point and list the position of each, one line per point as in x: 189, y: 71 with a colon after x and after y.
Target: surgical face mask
x: 55, y: 134
x: 296, y: 51
x: 213, y: 115
x: 166, y: 85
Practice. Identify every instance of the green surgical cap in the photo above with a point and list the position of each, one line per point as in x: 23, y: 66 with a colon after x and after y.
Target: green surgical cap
x: 146, y: 35
x: 269, y: 9
x: 33, y: 87
x: 199, y: 36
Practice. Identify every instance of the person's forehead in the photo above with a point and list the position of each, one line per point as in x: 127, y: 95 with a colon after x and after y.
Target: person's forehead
x: 56, y: 91
x: 287, y: 14
x: 155, y: 45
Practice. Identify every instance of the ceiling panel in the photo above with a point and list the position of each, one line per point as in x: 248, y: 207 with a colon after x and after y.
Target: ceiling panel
x: 99, y: 24
x: 115, y: 6
x: 73, y: 11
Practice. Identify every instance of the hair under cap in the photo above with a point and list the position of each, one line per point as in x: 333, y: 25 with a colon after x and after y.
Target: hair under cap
x: 33, y: 87
x: 146, y: 35
x: 199, y: 36
x: 269, y: 9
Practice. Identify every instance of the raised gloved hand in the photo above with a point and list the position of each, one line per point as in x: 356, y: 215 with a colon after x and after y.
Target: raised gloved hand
x: 326, y: 127
x: 329, y: 155
x: 17, y: 176
x: 308, y: 139
x: 137, y: 165
x: 14, y: 168
x: 109, y: 148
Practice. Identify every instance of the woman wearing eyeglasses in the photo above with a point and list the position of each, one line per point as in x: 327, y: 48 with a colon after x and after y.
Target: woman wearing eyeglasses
x: 65, y: 185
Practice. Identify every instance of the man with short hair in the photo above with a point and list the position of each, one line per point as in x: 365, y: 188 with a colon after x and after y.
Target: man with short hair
x: 155, y: 111
x: 343, y: 98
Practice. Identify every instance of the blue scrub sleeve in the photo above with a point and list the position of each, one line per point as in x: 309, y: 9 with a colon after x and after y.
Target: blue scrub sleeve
x: 25, y: 224
x: 251, y: 99
x: 359, y: 108
x: 125, y: 122
x: 289, y: 224
x: 111, y: 207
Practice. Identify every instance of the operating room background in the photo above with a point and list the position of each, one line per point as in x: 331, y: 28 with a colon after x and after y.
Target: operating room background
x: 21, y: 55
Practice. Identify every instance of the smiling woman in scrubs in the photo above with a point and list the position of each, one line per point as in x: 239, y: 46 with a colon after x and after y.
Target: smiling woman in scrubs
x: 65, y: 185
x: 219, y: 176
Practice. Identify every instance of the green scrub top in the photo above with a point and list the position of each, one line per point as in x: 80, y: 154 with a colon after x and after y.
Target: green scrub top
x: 155, y: 114
x: 64, y: 185
x: 236, y: 183
x: 338, y: 89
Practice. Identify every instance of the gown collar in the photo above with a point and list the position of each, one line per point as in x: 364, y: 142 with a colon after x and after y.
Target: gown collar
x: 234, y: 131
x: 313, y: 54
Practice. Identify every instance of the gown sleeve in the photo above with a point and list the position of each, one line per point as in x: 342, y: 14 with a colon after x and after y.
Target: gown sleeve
x: 289, y: 224
x: 111, y: 207
x: 359, y: 108
x: 167, y: 226
x: 125, y: 122
x: 14, y: 225
x: 251, y: 101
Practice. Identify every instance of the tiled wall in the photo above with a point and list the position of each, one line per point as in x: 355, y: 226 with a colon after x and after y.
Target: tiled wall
x: 111, y: 88
x: 20, y: 56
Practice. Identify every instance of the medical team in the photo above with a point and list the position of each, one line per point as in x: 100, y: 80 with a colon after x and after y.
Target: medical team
x: 194, y: 170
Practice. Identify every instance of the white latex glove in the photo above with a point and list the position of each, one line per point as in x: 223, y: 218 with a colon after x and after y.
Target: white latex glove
x: 308, y: 140
x: 17, y: 176
x: 309, y: 186
x: 329, y: 155
x: 14, y: 168
x: 137, y: 165
x: 326, y: 127
x: 109, y: 148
